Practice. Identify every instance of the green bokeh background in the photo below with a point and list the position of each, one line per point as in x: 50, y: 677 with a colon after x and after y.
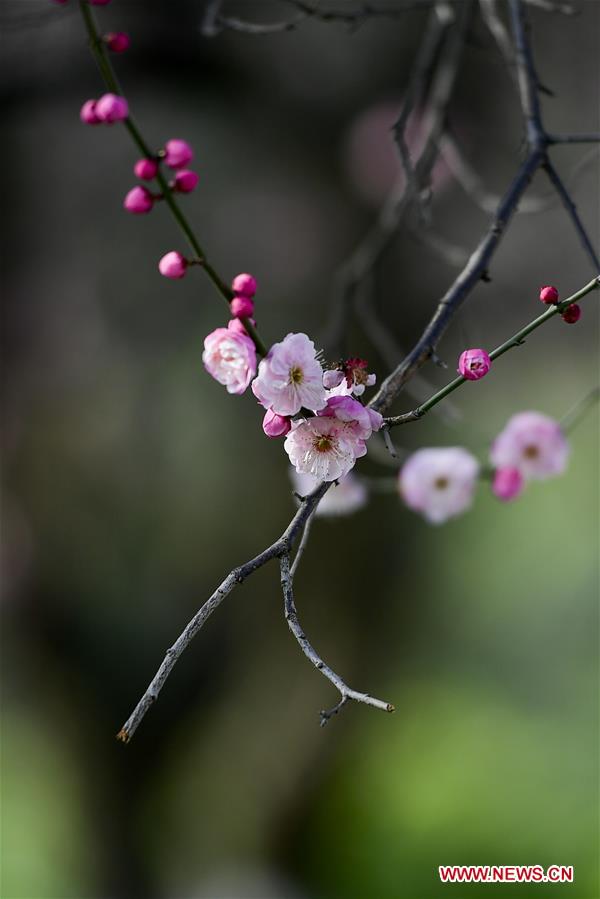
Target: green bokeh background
x: 133, y: 483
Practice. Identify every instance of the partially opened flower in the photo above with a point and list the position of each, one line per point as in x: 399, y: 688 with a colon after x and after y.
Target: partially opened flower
x: 347, y: 496
x: 349, y: 377
x: 439, y: 482
x: 230, y: 357
x: 532, y: 442
x: 358, y: 419
x: 291, y: 377
x: 323, y: 448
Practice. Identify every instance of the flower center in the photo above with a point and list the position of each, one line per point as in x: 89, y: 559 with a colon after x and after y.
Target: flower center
x: 323, y: 444
x: 296, y: 375
x: 440, y: 483
x: 531, y: 452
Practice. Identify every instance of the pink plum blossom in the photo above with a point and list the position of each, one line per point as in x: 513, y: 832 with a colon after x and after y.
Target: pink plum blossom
x: 275, y: 425
x: 508, y: 483
x: 532, y: 442
x: 111, y: 108
x: 242, y: 307
x: 244, y: 285
x: 138, y: 200
x: 177, y: 153
x: 358, y: 419
x: 185, y: 181
x: 230, y: 358
x: 87, y: 113
x: 350, y: 377
x: 146, y: 169
x: 572, y: 314
x: 290, y: 377
x: 117, y: 41
x: 549, y: 295
x: 439, y: 482
x: 322, y: 447
x: 474, y: 364
x: 173, y: 265
x: 347, y: 496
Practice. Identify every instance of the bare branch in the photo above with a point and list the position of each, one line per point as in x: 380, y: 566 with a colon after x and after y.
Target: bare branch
x: 235, y: 577
x: 571, y: 208
x: 592, y: 137
x: 303, y: 544
x: 291, y: 616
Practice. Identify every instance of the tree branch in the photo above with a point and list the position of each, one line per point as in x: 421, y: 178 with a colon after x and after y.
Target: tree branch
x: 291, y: 616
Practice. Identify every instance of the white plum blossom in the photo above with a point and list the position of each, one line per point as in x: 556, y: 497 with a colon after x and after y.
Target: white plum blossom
x: 534, y: 444
x: 439, y: 482
x: 347, y: 496
x: 230, y: 357
x: 290, y: 377
x: 323, y: 447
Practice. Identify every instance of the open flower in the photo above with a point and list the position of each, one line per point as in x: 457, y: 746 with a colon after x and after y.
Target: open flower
x: 323, y: 448
x: 349, y: 377
x: 290, y: 377
x: 344, y: 498
x: 534, y: 444
x: 439, y: 482
x: 358, y: 419
x: 230, y: 357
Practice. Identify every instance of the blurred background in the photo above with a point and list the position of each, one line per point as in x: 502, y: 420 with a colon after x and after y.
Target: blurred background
x: 133, y: 483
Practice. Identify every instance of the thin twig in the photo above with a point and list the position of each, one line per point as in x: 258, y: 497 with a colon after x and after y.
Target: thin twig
x: 571, y: 208
x: 291, y: 616
x: 303, y: 544
x: 578, y: 412
x: 235, y: 577
x: 516, y: 340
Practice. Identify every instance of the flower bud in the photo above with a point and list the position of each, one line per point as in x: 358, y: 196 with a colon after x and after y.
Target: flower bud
x: 146, y: 169
x: 474, y: 364
x: 117, y: 41
x: 173, y: 265
x: 236, y: 325
x: 508, y: 483
x: 549, y: 295
x: 571, y: 314
x: 139, y: 200
x: 241, y: 307
x: 185, y: 181
x: 87, y: 113
x: 177, y: 153
x: 112, y: 108
x: 275, y: 425
x: 244, y: 285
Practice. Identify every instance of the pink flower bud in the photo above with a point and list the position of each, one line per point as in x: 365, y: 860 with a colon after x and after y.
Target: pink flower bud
x: 146, y: 169
x: 549, y: 295
x: 117, y: 41
x: 572, y: 314
x: 474, y: 364
x: 185, y: 181
x: 173, y: 265
x: 139, y: 200
x: 242, y: 307
x: 112, y: 108
x: 244, y: 285
x: 508, y: 483
x: 87, y: 113
x: 275, y: 425
x: 177, y: 153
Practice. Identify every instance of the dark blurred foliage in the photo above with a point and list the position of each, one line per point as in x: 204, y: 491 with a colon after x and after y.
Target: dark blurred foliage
x: 133, y: 483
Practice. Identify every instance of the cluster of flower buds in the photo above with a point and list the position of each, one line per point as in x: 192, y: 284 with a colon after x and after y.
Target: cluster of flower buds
x: 244, y: 288
x: 176, y: 154
x: 549, y: 296
x: 108, y: 109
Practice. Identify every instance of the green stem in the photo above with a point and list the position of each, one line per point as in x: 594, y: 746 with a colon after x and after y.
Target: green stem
x: 109, y: 76
x: 516, y: 340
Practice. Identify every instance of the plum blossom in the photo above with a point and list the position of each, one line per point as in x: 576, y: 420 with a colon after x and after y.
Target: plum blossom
x: 347, y: 496
x: 439, y: 482
x: 230, y: 357
x: 508, y: 483
x: 358, y: 420
x: 350, y: 377
x: 322, y: 447
x: 474, y: 364
x: 290, y: 377
x: 532, y: 442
